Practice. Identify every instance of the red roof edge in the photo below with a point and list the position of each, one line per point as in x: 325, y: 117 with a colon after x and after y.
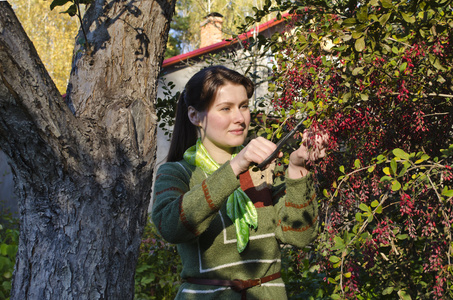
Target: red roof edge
x: 178, y: 58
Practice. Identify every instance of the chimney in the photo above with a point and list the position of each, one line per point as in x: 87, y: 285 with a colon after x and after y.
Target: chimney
x: 211, y: 30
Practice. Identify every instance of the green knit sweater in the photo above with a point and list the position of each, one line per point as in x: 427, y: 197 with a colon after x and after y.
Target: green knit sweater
x: 189, y: 210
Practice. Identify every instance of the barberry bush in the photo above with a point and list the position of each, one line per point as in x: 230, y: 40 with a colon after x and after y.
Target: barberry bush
x: 158, y: 267
x: 9, y: 240
x: 377, y: 75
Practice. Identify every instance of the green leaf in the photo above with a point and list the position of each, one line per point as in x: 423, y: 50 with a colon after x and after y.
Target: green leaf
x: 346, y: 96
x: 403, y: 295
x: 402, y: 236
x: 384, y: 18
x: 364, y: 207
x: 362, y: 15
x: 400, y: 153
x: 446, y: 192
x: 403, y: 171
x: 387, y: 3
x: 364, y: 97
x: 339, y: 242
x: 271, y: 87
x: 4, y: 249
x: 358, y: 217
x: 56, y: 3
x: 334, y: 296
x: 72, y: 10
x: 373, y: 17
x: 360, y: 44
x: 403, y: 66
x: 379, y: 209
x: 342, y: 169
x: 357, y: 71
x: 334, y: 259
x: 436, y: 62
x: 371, y: 169
x: 357, y: 163
x: 7, y: 275
x: 393, y: 166
x: 349, y: 21
x: 357, y: 34
x: 422, y: 158
x: 374, y: 203
x: 302, y: 39
x: 11, y: 250
x: 386, y: 178
x: 408, y: 18
x: 396, y: 185
x: 388, y: 291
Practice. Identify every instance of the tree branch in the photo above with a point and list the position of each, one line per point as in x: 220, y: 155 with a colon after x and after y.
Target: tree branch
x: 30, y: 96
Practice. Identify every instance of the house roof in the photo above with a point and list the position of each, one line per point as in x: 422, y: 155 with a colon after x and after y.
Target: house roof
x: 223, y: 44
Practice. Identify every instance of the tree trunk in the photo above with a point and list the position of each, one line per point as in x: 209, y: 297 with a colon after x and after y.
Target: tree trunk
x: 83, y: 167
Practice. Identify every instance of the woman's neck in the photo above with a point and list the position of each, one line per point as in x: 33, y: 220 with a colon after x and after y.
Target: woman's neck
x: 219, y: 155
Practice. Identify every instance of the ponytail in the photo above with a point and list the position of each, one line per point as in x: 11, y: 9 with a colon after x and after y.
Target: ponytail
x: 184, y: 133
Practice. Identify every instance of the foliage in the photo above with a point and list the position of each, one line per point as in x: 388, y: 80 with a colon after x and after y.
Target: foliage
x: 189, y: 14
x: 166, y: 105
x: 377, y: 75
x: 158, y: 267
x: 74, y: 10
x: 9, y: 240
x: 177, y: 35
x: 301, y: 276
x: 52, y: 35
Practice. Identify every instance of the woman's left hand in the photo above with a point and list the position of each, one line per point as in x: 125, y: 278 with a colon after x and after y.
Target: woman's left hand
x: 312, y: 148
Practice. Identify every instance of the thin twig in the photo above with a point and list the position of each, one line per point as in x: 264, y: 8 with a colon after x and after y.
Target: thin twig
x: 79, y: 15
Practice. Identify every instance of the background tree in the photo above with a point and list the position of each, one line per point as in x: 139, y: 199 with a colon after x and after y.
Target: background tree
x: 378, y: 76
x: 189, y: 14
x: 83, y: 171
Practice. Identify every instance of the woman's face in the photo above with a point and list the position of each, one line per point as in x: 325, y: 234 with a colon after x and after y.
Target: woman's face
x: 224, y: 125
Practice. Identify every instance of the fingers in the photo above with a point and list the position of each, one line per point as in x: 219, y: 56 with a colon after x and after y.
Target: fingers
x: 259, y: 149
x: 313, y: 147
x: 256, y: 151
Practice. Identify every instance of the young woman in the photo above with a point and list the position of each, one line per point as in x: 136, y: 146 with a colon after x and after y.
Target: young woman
x: 228, y: 221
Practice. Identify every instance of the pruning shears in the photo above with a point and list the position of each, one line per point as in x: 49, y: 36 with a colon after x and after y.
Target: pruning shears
x: 280, y: 144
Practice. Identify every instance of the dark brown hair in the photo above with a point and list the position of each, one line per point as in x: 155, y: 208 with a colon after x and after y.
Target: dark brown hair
x: 199, y: 92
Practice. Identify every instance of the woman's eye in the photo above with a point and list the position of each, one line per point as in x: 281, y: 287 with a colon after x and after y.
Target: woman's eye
x: 225, y: 108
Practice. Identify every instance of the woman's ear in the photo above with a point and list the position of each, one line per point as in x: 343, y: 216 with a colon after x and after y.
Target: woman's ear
x: 194, y: 116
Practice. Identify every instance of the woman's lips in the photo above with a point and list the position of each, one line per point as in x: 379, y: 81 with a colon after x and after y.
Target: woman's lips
x: 237, y: 131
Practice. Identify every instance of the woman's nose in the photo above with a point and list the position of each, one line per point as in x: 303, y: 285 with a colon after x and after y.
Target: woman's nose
x: 238, y: 116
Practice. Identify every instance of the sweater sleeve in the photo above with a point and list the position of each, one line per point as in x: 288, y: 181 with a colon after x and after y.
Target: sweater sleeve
x: 297, y: 209
x: 183, y: 208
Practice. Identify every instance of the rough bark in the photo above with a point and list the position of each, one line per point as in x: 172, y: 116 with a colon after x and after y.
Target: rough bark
x: 83, y: 167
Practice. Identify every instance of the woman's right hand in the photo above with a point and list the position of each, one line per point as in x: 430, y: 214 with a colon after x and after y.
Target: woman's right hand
x: 256, y: 151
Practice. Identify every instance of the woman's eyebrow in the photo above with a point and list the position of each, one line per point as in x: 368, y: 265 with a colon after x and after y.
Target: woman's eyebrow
x: 232, y: 103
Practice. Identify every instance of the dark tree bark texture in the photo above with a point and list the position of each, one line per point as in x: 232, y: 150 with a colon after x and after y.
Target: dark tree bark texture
x: 83, y: 165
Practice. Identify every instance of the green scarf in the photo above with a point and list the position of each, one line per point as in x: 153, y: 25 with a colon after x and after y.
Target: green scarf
x: 239, y: 207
